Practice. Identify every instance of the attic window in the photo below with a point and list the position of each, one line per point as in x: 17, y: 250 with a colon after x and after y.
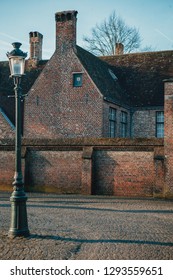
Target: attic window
x: 114, y: 77
x: 77, y: 79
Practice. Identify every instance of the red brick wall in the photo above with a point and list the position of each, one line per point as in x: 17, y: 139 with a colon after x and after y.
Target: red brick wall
x: 168, y: 138
x: 54, y: 171
x: 6, y: 169
x: 120, y: 167
x: 124, y: 173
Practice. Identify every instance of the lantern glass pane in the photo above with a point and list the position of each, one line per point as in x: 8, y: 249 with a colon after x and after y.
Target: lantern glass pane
x: 17, y: 66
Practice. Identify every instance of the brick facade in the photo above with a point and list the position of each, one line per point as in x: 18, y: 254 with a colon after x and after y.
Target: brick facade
x: 143, y: 122
x: 55, y: 107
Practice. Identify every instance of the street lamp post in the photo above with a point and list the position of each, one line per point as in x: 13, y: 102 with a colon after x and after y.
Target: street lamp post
x: 19, y: 224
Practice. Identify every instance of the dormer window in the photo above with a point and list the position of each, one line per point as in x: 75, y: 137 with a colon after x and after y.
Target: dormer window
x: 77, y: 79
x: 114, y: 77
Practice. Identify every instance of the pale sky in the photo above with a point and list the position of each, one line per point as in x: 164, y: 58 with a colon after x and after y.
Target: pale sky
x: 153, y: 18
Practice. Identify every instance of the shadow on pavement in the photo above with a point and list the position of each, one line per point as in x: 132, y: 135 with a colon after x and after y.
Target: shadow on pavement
x: 116, y: 241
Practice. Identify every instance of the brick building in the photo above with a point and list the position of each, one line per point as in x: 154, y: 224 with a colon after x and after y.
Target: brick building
x: 77, y: 95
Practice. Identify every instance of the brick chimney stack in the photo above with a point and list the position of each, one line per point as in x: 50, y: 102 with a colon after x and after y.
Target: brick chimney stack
x: 36, y: 40
x: 119, y: 48
x: 66, y: 30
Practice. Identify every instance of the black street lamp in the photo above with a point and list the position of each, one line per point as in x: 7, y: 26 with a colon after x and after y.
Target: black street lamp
x: 19, y: 224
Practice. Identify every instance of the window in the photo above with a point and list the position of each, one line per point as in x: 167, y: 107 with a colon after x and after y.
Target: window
x: 112, y: 122
x: 114, y: 77
x: 123, y: 126
x: 77, y: 79
x: 160, y: 124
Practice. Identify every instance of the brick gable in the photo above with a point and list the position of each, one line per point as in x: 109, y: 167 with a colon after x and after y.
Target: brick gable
x: 54, y: 108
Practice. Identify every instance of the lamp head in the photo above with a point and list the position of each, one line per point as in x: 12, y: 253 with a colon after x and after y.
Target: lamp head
x: 17, y: 60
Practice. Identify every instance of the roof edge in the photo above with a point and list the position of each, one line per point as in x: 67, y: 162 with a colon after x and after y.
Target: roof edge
x: 7, y: 119
x: 137, y: 53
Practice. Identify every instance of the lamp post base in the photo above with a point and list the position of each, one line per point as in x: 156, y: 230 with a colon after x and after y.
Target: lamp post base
x: 19, y: 224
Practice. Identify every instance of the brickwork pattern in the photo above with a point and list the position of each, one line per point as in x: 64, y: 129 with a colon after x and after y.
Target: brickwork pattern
x: 54, y: 171
x: 168, y: 139
x: 65, y: 30
x: 35, y: 45
x: 55, y: 108
x: 120, y: 167
x: 144, y: 123
x: 124, y: 173
x: 7, y: 161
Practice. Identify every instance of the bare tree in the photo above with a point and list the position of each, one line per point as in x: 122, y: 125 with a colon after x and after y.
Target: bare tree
x: 111, y: 31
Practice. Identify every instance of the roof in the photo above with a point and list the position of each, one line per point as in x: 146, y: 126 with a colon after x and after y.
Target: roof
x: 7, y: 87
x: 141, y: 75
x: 134, y: 80
x: 103, y: 77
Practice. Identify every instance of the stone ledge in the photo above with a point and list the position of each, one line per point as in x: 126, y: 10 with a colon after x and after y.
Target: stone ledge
x: 86, y: 142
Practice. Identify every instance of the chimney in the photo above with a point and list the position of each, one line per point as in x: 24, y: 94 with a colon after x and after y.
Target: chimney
x: 36, y: 40
x: 119, y: 48
x: 66, y: 30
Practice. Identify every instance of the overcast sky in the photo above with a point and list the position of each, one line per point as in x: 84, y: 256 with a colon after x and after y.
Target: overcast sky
x: 153, y: 18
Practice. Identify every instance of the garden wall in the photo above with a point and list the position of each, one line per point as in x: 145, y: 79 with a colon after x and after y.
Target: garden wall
x: 119, y: 167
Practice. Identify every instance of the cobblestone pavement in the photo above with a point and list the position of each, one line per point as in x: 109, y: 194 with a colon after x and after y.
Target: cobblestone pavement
x: 71, y: 227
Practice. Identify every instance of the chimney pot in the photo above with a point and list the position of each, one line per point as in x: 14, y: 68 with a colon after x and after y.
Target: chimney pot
x: 119, y: 48
x: 65, y: 16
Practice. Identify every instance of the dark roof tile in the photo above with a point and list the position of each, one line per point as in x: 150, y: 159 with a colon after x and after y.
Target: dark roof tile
x: 142, y: 75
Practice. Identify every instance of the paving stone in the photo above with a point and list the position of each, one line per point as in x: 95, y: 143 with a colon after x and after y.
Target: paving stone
x: 76, y: 227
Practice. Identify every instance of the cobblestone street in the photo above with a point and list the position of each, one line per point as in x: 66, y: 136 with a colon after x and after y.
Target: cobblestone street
x: 71, y: 227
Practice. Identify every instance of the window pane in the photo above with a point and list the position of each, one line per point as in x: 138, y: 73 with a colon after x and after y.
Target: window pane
x: 160, y: 124
x: 77, y: 79
x: 112, y: 114
x: 112, y: 122
x: 123, y: 124
x: 160, y: 130
x: 160, y: 116
x: 112, y: 127
x: 123, y: 129
x: 124, y: 117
